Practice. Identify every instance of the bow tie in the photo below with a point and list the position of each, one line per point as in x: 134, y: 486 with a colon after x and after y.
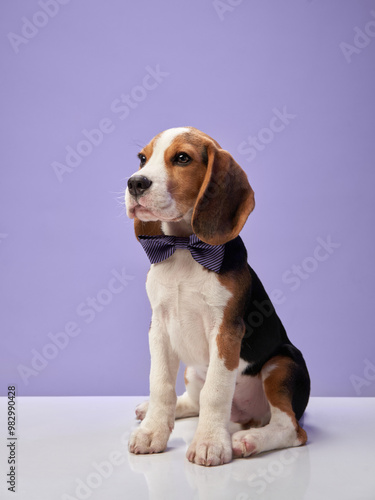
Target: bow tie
x: 159, y: 248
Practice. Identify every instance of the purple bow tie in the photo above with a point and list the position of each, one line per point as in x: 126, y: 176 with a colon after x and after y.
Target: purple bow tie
x: 159, y: 248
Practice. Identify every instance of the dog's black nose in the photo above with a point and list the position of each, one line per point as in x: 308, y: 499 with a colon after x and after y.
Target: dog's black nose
x: 138, y: 184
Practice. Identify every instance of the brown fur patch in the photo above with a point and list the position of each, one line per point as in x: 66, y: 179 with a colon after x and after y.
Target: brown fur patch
x: 229, y: 345
x: 232, y: 328
x: 149, y: 228
x: 277, y: 391
x: 185, y: 377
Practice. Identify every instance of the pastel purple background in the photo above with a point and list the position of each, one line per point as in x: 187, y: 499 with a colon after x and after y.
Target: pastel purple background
x: 224, y: 73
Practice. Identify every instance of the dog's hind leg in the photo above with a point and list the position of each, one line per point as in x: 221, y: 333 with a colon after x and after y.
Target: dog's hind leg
x: 286, y: 385
x: 141, y: 410
x: 188, y: 404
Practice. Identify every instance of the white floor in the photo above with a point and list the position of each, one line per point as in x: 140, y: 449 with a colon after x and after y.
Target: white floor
x: 76, y: 448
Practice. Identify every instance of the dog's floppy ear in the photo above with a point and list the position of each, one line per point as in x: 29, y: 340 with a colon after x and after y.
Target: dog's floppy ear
x: 149, y: 228
x: 225, y: 199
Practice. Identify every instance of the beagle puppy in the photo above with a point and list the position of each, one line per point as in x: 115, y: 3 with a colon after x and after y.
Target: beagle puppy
x: 244, y: 378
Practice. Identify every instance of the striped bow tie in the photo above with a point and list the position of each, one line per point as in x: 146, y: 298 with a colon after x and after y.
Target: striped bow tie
x: 159, y: 248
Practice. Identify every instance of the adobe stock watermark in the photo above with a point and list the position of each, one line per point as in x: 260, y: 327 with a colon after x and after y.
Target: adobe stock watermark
x: 121, y: 107
x: 59, y: 341
x: 367, y: 378
x: 100, y: 472
x: 268, y: 475
x: 31, y: 26
x: 293, y: 277
x: 257, y: 143
x: 222, y: 7
x: 362, y: 38
x: 298, y: 273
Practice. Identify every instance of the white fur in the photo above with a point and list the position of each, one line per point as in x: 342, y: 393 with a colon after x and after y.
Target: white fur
x: 188, y: 302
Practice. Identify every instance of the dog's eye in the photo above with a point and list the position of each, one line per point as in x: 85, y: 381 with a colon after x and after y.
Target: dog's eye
x: 182, y: 158
x: 142, y: 159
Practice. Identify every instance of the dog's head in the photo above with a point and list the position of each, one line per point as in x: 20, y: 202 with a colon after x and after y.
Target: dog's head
x: 184, y: 174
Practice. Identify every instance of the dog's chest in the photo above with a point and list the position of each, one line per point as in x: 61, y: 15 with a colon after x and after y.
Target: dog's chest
x: 188, y: 303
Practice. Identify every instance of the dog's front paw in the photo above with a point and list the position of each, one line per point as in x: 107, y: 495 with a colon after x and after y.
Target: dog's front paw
x: 146, y: 440
x: 213, y: 448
